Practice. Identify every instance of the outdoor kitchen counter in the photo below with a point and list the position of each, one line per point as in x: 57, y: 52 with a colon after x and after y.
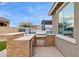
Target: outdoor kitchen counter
x: 13, y: 33
x: 27, y: 37
x: 45, y: 40
x: 21, y: 47
x: 11, y: 36
x: 49, y: 34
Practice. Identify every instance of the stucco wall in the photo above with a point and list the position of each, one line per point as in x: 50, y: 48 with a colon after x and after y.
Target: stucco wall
x: 54, y: 24
x: 8, y: 30
x: 69, y: 49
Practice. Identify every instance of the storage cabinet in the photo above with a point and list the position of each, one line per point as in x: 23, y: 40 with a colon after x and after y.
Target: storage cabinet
x: 40, y: 40
x: 50, y: 39
x: 45, y: 41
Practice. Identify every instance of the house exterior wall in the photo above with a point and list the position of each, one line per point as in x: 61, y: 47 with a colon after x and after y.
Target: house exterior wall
x: 54, y: 24
x: 8, y: 30
x: 68, y: 49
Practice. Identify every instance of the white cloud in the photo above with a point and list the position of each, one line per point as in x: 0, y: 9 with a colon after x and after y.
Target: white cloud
x: 4, y: 13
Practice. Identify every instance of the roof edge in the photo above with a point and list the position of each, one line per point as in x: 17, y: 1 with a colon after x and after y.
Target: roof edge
x: 55, y: 7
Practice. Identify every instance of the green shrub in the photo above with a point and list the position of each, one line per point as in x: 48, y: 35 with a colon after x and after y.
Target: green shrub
x: 2, y: 45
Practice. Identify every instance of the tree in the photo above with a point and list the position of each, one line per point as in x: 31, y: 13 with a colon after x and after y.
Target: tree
x: 26, y: 25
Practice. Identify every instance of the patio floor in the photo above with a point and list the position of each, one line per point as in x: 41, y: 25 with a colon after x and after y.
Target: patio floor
x: 3, y: 53
x: 40, y: 52
x: 47, y: 52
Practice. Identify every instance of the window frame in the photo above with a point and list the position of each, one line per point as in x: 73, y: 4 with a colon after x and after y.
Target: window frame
x: 62, y: 10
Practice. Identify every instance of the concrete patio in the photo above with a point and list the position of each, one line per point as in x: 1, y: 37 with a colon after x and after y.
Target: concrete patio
x: 3, y: 53
x: 40, y: 52
x: 47, y: 52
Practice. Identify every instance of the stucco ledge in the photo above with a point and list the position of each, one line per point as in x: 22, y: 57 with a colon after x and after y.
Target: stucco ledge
x: 68, y: 39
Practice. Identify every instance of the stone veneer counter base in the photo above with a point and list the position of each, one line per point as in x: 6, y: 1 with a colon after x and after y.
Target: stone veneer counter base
x: 20, y: 46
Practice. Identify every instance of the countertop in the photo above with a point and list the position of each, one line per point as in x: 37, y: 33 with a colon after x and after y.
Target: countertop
x: 27, y: 37
x: 13, y: 33
x: 49, y: 34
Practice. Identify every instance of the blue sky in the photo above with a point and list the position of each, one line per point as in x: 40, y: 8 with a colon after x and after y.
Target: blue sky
x: 17, y: 12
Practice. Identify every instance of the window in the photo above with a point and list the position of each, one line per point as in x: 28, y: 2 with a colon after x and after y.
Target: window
x: 66, y: 20
x: 60, y: 25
